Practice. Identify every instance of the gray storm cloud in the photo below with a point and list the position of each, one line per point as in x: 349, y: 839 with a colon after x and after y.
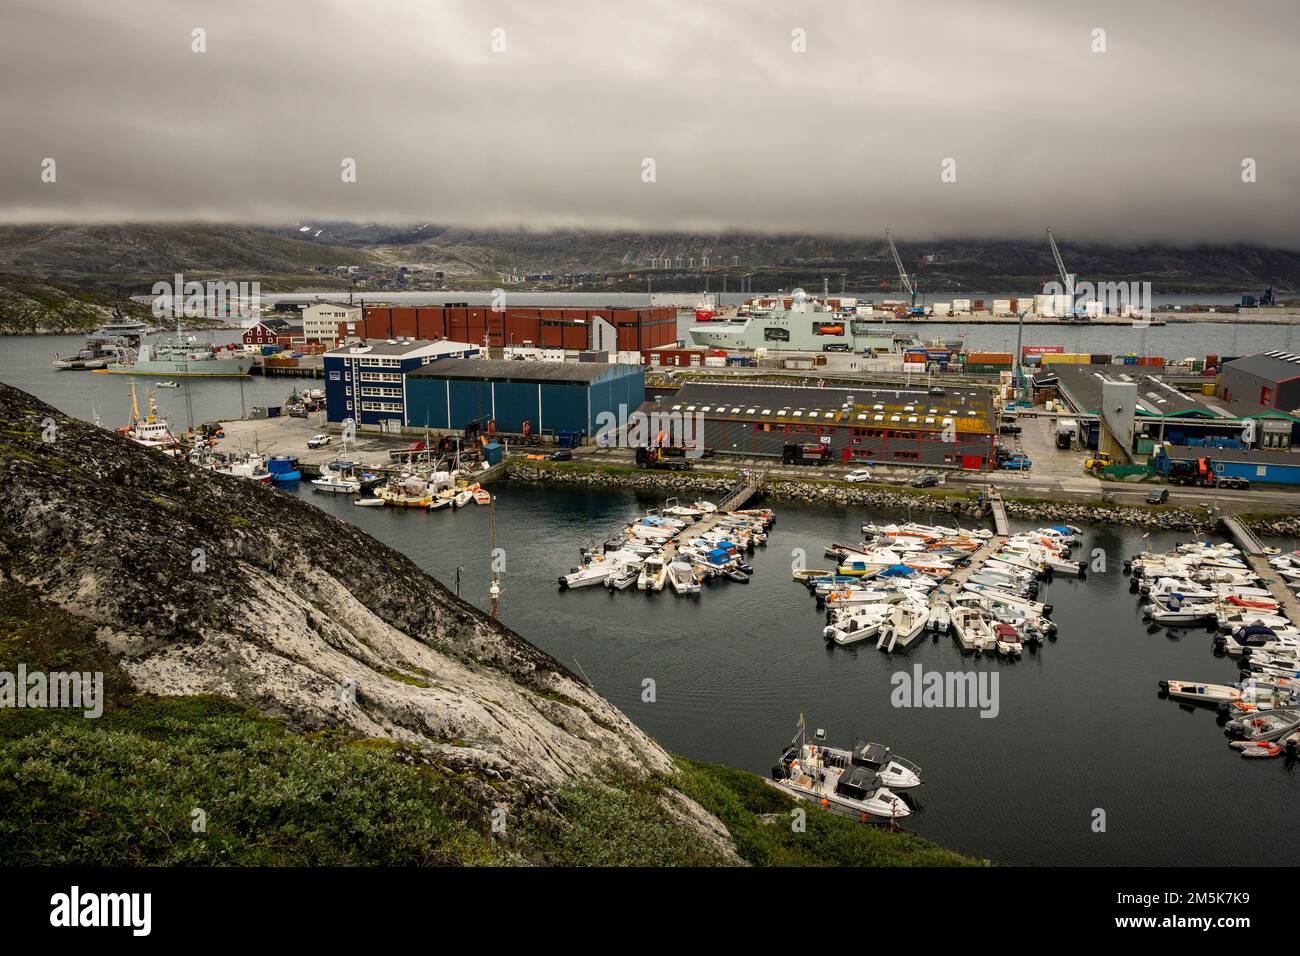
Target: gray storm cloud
x: 1143, y: 141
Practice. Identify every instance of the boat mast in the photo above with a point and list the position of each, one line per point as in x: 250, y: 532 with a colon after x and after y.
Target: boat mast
x: 494, y: 591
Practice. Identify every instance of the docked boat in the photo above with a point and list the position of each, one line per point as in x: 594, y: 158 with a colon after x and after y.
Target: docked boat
x: 906, y: 621
x: 846, y: 782
x: 653, y: 574
x: 181, y: 355
x: 1007, y: 640
x: 1200, y: 692
x: 682, y: 577
x: 972, y: 631
x: 462, y: 497
x: 807, y: 325
x: 625, y: 575
x: 96, y: 353
x: 858, y: 627
x: 338, y: 483
x: 482, y: 496
x: 150, y: 430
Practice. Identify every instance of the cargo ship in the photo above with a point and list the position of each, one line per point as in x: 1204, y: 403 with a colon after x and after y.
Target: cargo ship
x: 179, y: 355
x: 804, y: 325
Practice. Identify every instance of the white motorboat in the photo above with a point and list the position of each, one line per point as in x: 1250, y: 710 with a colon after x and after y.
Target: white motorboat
x: 335, y: 483
x: 682, y: 577
x: 940, y: 616
x: 463, y: 497
x: 1184, y: 612
x: 625, y: 575
x: 653, y: 574
x: 847, y: 782
x: 972, y: 631
x: 858, y: 627
x: 1200, y: 692
x: 905, y: 622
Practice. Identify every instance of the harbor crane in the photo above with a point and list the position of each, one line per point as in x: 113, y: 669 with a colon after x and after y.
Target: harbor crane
x: 1067, y: 278
x: 908, y: 282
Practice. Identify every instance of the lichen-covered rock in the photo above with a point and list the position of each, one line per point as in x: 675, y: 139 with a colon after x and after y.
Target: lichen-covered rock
x: 205, y: 583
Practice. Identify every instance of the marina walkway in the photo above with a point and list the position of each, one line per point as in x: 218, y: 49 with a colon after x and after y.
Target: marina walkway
x: 1254, y: 554
x: 1000, y: 525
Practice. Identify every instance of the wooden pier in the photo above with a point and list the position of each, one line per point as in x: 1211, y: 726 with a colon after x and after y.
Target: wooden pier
x: 999, y: 509
x: 1253, y: 551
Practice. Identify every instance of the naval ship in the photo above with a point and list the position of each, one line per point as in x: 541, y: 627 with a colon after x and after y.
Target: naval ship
x: 177, y: 354
x: 807, y: 325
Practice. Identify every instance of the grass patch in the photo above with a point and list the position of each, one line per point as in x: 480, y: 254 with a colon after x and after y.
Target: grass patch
x: 741, y: 800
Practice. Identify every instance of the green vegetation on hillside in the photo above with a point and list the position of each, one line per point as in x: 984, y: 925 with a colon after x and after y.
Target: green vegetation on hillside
x: 133, y: 786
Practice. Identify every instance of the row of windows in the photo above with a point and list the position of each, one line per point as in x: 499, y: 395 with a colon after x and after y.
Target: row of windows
x: 378, y: 392
x: 395, y: 407
x: 381, y: 376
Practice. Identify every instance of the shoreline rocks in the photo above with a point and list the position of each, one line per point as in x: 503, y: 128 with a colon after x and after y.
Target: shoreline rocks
x: 668, y: 484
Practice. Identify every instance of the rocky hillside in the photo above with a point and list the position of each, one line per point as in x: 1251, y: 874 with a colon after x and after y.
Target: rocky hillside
x: 43, y: 306
x: 864, y: 263
x: 333, y: 701
x: 135, y: 254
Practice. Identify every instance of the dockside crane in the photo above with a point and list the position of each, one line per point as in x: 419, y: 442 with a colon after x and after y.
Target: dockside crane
x: 908, y: 282
x: 1067, y: 278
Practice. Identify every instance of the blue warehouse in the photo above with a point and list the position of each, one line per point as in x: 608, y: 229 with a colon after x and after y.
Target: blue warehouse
x: 366, y: 381
x: 1257, y: 467
x: 546, y: 397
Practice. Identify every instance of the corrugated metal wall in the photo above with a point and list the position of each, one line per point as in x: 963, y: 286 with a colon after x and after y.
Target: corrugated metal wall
x: 564, y: 406
x: 750, y: 438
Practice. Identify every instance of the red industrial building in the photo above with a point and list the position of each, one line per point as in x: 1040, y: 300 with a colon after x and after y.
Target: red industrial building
x: 636, y: 329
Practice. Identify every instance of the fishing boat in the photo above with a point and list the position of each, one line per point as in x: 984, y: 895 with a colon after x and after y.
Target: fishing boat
x: 251, y: 467
x: 846, y: 782
x: 441, y: 502
x: 284, y: 469
x: 336, y: 483
x: 369, y: 502
x: 151, y: 430
x: 167, y: 384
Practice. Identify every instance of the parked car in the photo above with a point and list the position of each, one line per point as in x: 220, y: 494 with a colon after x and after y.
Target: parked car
x: 1157, y: 496
x: 925, y: 481
x: 316, y: 441
x: 1009, y: 429
x: 858, y: 474
x: 562, y: 455
x: 1016, y: 463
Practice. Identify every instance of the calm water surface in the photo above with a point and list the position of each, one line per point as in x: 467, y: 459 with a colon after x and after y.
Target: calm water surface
x: 1080, y: 726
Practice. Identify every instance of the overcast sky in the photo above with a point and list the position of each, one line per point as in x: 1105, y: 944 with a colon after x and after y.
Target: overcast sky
x: 1143, y: 141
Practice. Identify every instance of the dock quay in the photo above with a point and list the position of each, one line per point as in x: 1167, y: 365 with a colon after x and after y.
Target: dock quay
x: 1000, y: 525
x: 735, y: 498
x: 1253, y: 553
x: 289, y: 436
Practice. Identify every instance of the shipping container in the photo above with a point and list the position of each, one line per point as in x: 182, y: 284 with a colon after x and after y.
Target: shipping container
x: 989, y: 358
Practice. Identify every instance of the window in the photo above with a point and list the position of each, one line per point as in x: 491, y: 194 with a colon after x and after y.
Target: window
x: 776, y: 335
x: 907, y: 456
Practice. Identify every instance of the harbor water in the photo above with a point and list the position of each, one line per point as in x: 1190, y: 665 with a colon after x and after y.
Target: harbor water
x: 1079, y: 727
